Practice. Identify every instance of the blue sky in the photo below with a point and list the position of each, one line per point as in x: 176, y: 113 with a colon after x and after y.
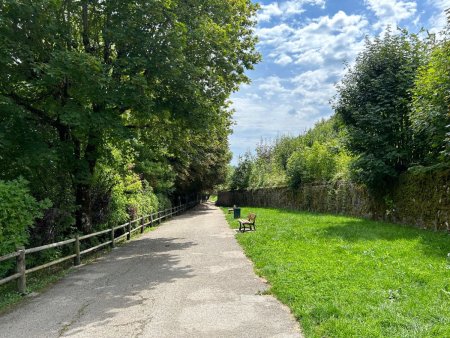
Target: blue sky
x: 304, y: 44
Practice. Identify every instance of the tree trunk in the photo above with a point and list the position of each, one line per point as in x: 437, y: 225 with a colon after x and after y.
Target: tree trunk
x: 83, y: 183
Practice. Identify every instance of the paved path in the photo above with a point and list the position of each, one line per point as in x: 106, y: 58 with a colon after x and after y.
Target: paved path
x: 188, y: 278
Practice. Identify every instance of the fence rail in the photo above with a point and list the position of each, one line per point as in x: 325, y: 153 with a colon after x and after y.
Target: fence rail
x: 132, y: 226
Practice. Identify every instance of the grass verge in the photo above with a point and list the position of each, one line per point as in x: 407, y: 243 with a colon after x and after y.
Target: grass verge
x: 350, y: 277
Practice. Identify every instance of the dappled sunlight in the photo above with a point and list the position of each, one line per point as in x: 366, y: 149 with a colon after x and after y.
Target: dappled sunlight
x: 113, y: 295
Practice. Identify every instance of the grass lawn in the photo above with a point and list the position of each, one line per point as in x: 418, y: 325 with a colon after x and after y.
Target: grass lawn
x: 349, y: 277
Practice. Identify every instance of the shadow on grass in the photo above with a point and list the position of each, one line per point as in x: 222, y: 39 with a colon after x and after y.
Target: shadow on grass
x: 353, y: 230
x: 359, y: 230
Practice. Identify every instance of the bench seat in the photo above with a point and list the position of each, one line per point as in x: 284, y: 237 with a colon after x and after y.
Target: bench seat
x: 250, y: 222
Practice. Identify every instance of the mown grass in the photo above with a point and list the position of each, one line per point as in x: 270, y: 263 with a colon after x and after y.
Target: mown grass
x: 349, y: 277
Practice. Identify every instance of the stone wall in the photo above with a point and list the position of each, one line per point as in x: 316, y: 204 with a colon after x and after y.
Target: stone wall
x: 421, y: 200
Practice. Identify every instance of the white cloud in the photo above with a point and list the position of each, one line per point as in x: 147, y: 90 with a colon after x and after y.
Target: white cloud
x: 267, y: 12
x: 323, y: 40
x: 439, y: 20
x: 272, y: 85
x: 289, y: 99
x: 283, y: 60
x: 295, y: 99
x: 285, y: 9
x: 274, y: 35
x: 267, y: 118
x: 391, y: 12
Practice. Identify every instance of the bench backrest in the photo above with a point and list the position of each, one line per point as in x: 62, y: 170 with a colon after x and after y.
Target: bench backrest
x: 251, y: 217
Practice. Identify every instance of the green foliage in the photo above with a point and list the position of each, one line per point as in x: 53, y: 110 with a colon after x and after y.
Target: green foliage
x: 228, y: 180
x: 107, y: 103
x: 118, y: 192
x: 18, y: 211
x: 374, y: 101
x: 431, y: 101
x: 315, y: 163
x: 264, y: 171
x: 317, y: 155
x: 296, y: 170
x: 283, y: 149
x: 349, y: 277
x: 37, y: 282
x: 241, y: 174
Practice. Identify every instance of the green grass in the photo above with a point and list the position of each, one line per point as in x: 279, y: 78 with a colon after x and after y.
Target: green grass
x: 36, y: 282
x: 349, y: 277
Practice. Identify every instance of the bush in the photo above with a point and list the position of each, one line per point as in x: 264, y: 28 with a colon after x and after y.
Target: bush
x: 431, y: 100
x: 315, y: 163
x: 296, y: 169
x: 18, y: 210
x: 320, y: 162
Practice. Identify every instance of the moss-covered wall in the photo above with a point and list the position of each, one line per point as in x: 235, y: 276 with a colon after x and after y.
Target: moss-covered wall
x: 421, y: 200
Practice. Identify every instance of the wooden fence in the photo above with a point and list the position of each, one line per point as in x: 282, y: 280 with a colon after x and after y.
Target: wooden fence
x: 132, y: 226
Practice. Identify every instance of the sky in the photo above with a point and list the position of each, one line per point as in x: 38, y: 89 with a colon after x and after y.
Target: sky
x: 305, y: 45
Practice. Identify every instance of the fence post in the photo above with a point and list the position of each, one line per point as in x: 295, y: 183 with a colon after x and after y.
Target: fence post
x: 159, y: 217
x: 151, y: 219
x: 21, y: 268
x: 129, y: 230
x: 77, y: 258
x: 113, y: 242
x: 142, y: 224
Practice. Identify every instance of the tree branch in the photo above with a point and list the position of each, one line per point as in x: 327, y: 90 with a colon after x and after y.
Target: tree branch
x: 62, y: 129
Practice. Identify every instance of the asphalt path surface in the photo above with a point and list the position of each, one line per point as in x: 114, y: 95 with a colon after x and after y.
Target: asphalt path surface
x: 188, y: 278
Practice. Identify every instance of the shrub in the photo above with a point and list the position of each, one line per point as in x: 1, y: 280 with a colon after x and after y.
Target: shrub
x: 18, y: 210
x: 296, y: 169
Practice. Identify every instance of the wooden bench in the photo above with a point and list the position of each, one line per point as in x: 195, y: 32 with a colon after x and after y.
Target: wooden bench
x: 250, y: 222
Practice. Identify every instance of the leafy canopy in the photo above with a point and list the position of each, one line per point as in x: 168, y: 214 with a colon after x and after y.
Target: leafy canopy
x: 149, y: 78
x: 374, y: 103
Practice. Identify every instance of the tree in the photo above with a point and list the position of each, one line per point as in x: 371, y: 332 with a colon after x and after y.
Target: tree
x: 431, y: 106
x: 242, y: 173
x: 80, y: 78
x: 374, y: 100
x: 283, y: 149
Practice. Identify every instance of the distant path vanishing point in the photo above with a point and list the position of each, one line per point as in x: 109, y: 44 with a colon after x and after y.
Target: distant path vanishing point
x: 188, y: 278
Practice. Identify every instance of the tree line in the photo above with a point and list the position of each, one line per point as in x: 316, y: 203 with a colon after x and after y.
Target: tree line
x: 391, y: 115
x: 113, y: 109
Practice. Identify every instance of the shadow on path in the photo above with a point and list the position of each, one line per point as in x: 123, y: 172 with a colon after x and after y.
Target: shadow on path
x: 117, y: 281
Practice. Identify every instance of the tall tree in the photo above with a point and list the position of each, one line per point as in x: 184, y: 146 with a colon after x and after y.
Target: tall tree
x: 78, y: 75
x: 374, y: 100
